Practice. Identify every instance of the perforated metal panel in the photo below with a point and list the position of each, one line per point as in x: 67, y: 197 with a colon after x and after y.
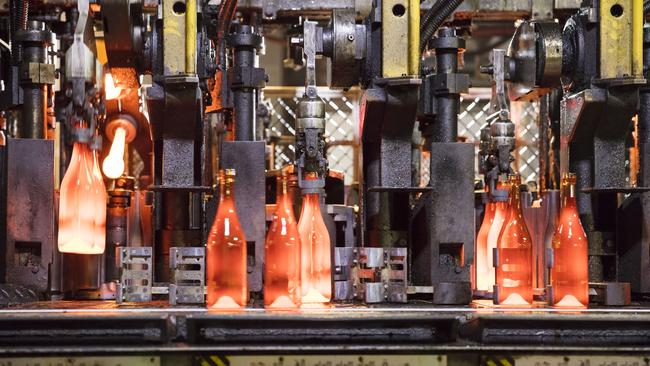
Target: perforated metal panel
x: 341, y: 134
x: 342, y: 129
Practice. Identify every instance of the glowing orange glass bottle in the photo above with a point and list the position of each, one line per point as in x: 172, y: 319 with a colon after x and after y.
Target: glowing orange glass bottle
x: 282, y: 252
x: 514, y: 276
x: 570, y: 273
x: 82, y: 205
x: 102, y: 197
x: 316, y: 265
x: 483, y: 265
x: 226, y: 252
x: 487, y: 281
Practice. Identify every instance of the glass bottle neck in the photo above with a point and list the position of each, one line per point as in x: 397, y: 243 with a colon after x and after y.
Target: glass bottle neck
x: 569, y: 195
x: 312, y: 200
x: 283, y: 197
x: 226, y: 191
x: 513, y: 198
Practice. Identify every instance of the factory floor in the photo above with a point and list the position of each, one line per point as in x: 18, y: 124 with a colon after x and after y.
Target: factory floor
x: 103, y: 328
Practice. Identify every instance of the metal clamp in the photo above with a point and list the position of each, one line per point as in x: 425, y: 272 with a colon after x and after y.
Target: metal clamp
x: 187, y: 266
x: 380, y: 274
x: 135, y: 275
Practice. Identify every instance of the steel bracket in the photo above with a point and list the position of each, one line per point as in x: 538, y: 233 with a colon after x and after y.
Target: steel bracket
x: 135, y: 275
x: 187, y: 266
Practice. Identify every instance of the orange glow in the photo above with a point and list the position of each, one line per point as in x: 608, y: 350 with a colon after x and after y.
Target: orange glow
x: 570, y: 274
x: 100, y: 212
x: 111, y: 91
x: 514, y: 274
x: 316, y: 265
x: 489, y: 279
x: 82, y: 205
x: 226, y: 252
x: 483, y: 263
x: 282, y: 250
x: 113, y: 165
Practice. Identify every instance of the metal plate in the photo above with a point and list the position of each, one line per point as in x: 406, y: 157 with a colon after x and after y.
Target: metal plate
x: 580, y: 360
x: 82, y: 361
x: 303, y: 330
x: 315, y: 360
x: 30, y: 207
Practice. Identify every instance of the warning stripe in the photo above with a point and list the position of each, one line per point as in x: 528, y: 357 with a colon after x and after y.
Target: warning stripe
x: 213, y: 361
x: 497, y: 361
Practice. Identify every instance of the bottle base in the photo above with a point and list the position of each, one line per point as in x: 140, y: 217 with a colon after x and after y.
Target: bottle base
x: 569, y: 301
x: 282, y: 302
x: 225, y: 303
x: 313, y: 297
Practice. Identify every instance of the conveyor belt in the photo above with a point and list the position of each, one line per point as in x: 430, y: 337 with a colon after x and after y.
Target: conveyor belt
x: 67, y: 327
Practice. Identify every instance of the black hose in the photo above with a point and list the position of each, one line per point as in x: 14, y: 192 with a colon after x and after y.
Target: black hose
x: 426, y: 19
x: 436, y: 22
x: 646, y: 7
x: 225, y: 15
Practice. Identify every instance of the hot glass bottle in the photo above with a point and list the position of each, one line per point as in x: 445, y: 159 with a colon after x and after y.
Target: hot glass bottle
x: 82, y: 205
x: 514, y: 274
x: 570, y: 273
x: 315, y: 257
x: 483, y: 265
x: 100, y: 209
x: 226, y: 252
x: 500, y: 211
x: 282, y: 250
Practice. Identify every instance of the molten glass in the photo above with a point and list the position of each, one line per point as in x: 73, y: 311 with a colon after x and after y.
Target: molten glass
x: 514, y: 274
x: 316, y: 265
x: 226, y: 252
x: 483, y: 263
x: 113, y: 165
x: 570, y: 274
x: 82, y: 205
x: 282, y: 250
x: 111, y: 91
x: 500, y: 211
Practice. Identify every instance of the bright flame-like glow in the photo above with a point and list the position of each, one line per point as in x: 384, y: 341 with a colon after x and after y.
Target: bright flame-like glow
x: 113, y: 165
x: 111, y: 91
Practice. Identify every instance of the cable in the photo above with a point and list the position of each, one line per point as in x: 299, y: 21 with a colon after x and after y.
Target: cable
x: 445, y: 11
x: 225, y: 15
x: 435, y: 7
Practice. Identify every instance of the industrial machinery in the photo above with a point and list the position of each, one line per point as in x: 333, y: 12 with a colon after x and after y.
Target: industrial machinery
x: 117, y: 116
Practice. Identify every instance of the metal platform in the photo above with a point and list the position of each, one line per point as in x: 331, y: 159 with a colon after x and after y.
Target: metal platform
x: 104, y: 328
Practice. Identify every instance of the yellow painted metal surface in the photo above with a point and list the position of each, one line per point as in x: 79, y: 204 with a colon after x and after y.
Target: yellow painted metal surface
x: 190, y: 37
x: 581, y: 360
x: 174, y: 29
x: 400, y: 37
x: 621, y: 23
x: 325, y: 360
x: 637, y: 37
x: 414, y: 37
x: 82, y: 361
x: 101, y: 49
